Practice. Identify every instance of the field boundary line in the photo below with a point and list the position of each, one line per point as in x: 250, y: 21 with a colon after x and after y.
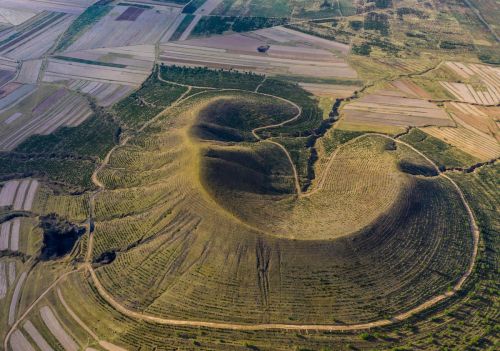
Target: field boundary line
x: 33, y: 304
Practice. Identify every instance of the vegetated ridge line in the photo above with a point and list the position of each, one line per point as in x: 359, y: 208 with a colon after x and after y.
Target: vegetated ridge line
x: 277, y: 125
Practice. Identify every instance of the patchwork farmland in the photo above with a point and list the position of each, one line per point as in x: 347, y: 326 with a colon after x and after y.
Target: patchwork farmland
x: 387, y: 107
x: 112, y: 31
x: 45, y: 110
x: 248, y: 175
x: 289, y: 53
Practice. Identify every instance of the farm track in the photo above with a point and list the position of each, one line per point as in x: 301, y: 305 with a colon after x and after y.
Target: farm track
x: 34, y: 303
x: 257, y: 326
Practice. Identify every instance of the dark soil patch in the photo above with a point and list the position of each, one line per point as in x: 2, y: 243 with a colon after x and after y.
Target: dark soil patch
x: 59, y: 236
x: 130, y: 14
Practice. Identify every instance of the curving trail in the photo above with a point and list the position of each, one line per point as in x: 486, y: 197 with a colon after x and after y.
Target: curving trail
x: 298, y: 188
x: 255, y: 130
x: 257, y: 326
x: 274, y: 326
x: 105, y: 344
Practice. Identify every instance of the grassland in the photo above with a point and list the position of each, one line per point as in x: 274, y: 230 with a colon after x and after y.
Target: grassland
x: 145, y: 103
x: 185, y: 225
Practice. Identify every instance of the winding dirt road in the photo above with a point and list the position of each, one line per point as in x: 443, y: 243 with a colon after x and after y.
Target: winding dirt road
x: 274, y: 326
x: 257, y: 326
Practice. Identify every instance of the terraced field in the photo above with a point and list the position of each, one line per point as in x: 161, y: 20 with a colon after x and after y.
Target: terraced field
x: 213, y: 205
x: 249, y: 175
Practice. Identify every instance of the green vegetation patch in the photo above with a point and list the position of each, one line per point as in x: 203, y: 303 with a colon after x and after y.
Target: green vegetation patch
x: 363, y: 49
x: 74, y: 173
x: 443, y: 154
x: 89, y: 62
x: 300, y: 152
x: 152, y: 98
x: 311, y: 116
x: 212, y: 25
x: 489, y: 55
x: 192, y: 6
x: 377, y: 21
x: 88, y: 17
x: 182, y: 27
x: 205, y: 77
x: 93, y: 138
x: 59, y: 236
x: 217, y: 25
x: 337, y: 137
x: 141, y: 6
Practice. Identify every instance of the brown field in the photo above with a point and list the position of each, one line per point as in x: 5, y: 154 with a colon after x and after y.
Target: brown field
x: 58, y: 70
x: 137, y: 57
x: 15, y: 17
x: 29, y: 71
x: 37, y: 36
x: 481, y: 86
x: 67, y: 6
x: 394, y: 109
x: 130, y: 14
x: 411, y: 89
x: 42, y: 113
x: 329, y: 90
x: 25, y: 194
x: 482, y: 120
x: 467, y: 93
x: 6, y: 65
x: 9, y: 88
x: 484, y: 148
x: 290, y: 53
x: 477, y: 131
x: 366, y: 127
x: 55, y: 327
x: 106, y: 94
x: 108, y: 32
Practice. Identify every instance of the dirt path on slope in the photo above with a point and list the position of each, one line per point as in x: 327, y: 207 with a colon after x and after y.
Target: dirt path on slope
x: 270, y: 326
x: 257, y: 326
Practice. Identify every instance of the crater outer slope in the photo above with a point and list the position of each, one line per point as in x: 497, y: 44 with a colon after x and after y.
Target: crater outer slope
x: 196, y: 259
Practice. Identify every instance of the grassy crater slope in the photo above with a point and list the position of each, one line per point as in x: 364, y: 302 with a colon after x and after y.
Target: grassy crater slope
x: 223, y: 236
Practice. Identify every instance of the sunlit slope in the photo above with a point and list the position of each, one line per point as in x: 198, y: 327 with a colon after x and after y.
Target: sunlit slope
x: 209, y: 227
